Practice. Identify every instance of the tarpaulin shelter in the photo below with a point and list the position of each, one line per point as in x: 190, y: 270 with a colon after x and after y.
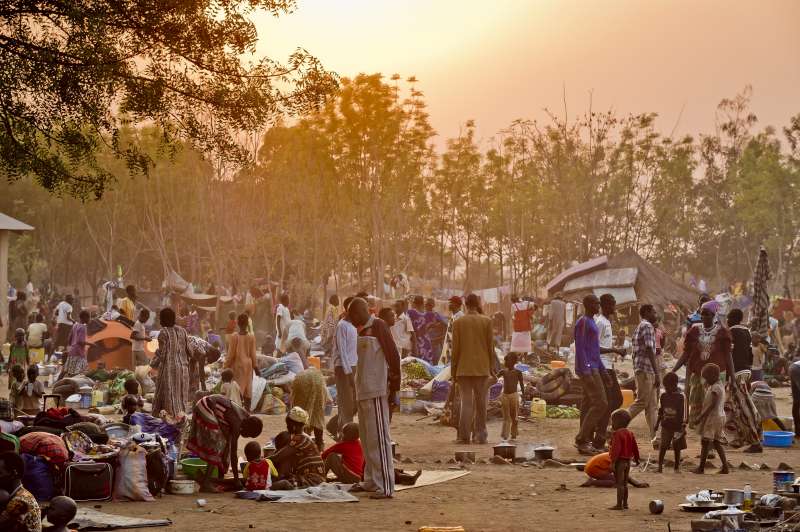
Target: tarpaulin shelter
x: 628, y: 277
x: 111, y: 345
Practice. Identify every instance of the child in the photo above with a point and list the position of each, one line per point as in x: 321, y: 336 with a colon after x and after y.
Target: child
x: 298, y: 461
x: 230, y: 388
x: 132, y: 402
x: 672, y: 418
x: 712, y: 418
x: 15, y: 380
x: 31, y: 392
x: 346, y: 458
x: 61, y: 511
x: 259, y: 471
x: 623, y: 450
x: 512, y: 379
x: 19, y: 351
x: 759, y: 354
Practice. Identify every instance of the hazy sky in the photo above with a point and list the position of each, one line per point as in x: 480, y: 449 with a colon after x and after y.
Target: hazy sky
x: 497, y: 60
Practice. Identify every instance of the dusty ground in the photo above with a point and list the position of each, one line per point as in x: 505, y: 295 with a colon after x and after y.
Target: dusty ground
x: 492, y: 497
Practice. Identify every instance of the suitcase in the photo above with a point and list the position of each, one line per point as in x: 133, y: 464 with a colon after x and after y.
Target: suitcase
x: 89, y: 481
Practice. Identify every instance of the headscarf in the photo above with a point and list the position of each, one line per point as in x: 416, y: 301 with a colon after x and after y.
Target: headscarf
x: 712, y: 306
x: 298, y: 415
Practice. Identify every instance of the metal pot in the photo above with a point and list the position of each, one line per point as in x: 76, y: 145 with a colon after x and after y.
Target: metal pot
x: 543, y: 453
x: 733, y: 497
x: 505, y: 450
x: 656, y: 506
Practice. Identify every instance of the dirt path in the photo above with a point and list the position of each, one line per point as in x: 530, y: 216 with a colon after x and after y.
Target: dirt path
x: 492, y: 497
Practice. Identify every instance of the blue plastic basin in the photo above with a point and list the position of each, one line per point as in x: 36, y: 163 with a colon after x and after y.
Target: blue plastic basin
x: 778, y: 438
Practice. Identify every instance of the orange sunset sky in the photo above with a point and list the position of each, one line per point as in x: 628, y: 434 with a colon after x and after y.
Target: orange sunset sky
x: 495, y: 61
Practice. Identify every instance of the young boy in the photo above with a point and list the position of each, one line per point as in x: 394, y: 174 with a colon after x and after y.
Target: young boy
x: 259, y: 471
x: 623, y: 450
x: 16, y: 376
x: 31, y: 392
x: 139, y: 339
x: 61, y: 511
x: 346, y: 458
x: 672, y: 418
x: 509, y: 401
x: 230, y: 388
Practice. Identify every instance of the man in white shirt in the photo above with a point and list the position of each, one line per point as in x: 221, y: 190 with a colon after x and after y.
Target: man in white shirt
x: 345, y: 360
x: 282, y: 318
x: 139, y: 338
x: 64, y: 322
x: 403, y: 329
x: 608, y: 307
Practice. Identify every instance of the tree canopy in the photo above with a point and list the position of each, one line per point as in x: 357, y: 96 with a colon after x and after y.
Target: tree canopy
x: 72, y: 74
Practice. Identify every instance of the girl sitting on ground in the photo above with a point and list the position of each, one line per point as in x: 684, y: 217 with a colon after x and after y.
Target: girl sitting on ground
x: 299, y: 463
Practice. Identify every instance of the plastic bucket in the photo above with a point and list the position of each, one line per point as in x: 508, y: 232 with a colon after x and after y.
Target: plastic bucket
x: 778, y: 438
x: 408, y: 397
x: 627, y: 398
x: 538, y: 407
x: 782, y: 480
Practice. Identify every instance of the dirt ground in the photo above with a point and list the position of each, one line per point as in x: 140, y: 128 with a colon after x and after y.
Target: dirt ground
x: 491, y: 497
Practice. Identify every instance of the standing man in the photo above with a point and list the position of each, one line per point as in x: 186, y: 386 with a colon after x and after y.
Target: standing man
x: 328, y: 329
x: 345, y: 360
x: 555, y: 321
x: 403, y: 329
x: 608, y: 307
x: 64, y: 322
x: 377, y: 378
x: 590, y: 370
x: 282, y: 318
x: 127, y: 305
x: 648, y: 381
x: 473, y: 362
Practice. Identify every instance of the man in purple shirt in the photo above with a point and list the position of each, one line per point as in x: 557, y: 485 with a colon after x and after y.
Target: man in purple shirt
x: 589, y: 369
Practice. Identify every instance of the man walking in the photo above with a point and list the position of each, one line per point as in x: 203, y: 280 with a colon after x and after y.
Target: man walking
x: 608, y: 307
x: 345, y: 360
x: 377, y: 378
x: 644, y: 369
x: 64, y: 322
x: 473, y: 362
x: 589, y: 369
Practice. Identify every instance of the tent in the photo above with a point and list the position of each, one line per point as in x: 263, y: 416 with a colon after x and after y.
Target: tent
x: 628, y: 277
x: 111, y: 345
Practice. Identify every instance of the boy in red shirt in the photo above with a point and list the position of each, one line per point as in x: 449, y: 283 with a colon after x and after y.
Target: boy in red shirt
x: 258, y: 472
x: 346, y: 458
x: 623, y: 450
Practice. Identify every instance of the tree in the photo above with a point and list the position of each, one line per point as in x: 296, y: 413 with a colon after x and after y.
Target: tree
x: 73, y: 73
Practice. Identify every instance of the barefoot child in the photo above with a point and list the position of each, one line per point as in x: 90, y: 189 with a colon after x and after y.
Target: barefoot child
x: 623, y: 449
x: 672, y: 418
x: 346, y: 458
x: 230, y: 388
x: 259, y: 471
x: 512, y: 379
x: 711, y: 421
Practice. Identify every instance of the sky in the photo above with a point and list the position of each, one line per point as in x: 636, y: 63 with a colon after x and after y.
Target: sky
x: 498, y: 60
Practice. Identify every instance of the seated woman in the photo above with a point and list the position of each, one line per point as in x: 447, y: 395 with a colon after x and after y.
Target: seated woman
x: 299, y: 462
x: 217, y: 424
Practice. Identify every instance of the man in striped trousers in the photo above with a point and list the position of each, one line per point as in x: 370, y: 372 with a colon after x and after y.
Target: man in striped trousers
x: 377, y: 378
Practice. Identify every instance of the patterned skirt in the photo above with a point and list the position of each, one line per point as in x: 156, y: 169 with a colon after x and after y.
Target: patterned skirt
x: 743, y: 424
x: 208, y: 438
x: 74, y: 365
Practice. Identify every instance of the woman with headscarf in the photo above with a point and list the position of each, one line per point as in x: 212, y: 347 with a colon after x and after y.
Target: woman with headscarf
x: 76, y: 363
x: 241, y: 358
x: 310, y: 394
x: 420, y: 321
x: 705, y: 342
x: 172, y: 361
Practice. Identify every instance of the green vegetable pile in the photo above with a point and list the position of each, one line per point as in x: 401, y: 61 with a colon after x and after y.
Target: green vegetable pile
x: 563, y: 412
x: 415, y: 370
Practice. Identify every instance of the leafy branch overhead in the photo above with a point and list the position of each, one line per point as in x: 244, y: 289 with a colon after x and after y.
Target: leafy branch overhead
x: 73, y: 73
